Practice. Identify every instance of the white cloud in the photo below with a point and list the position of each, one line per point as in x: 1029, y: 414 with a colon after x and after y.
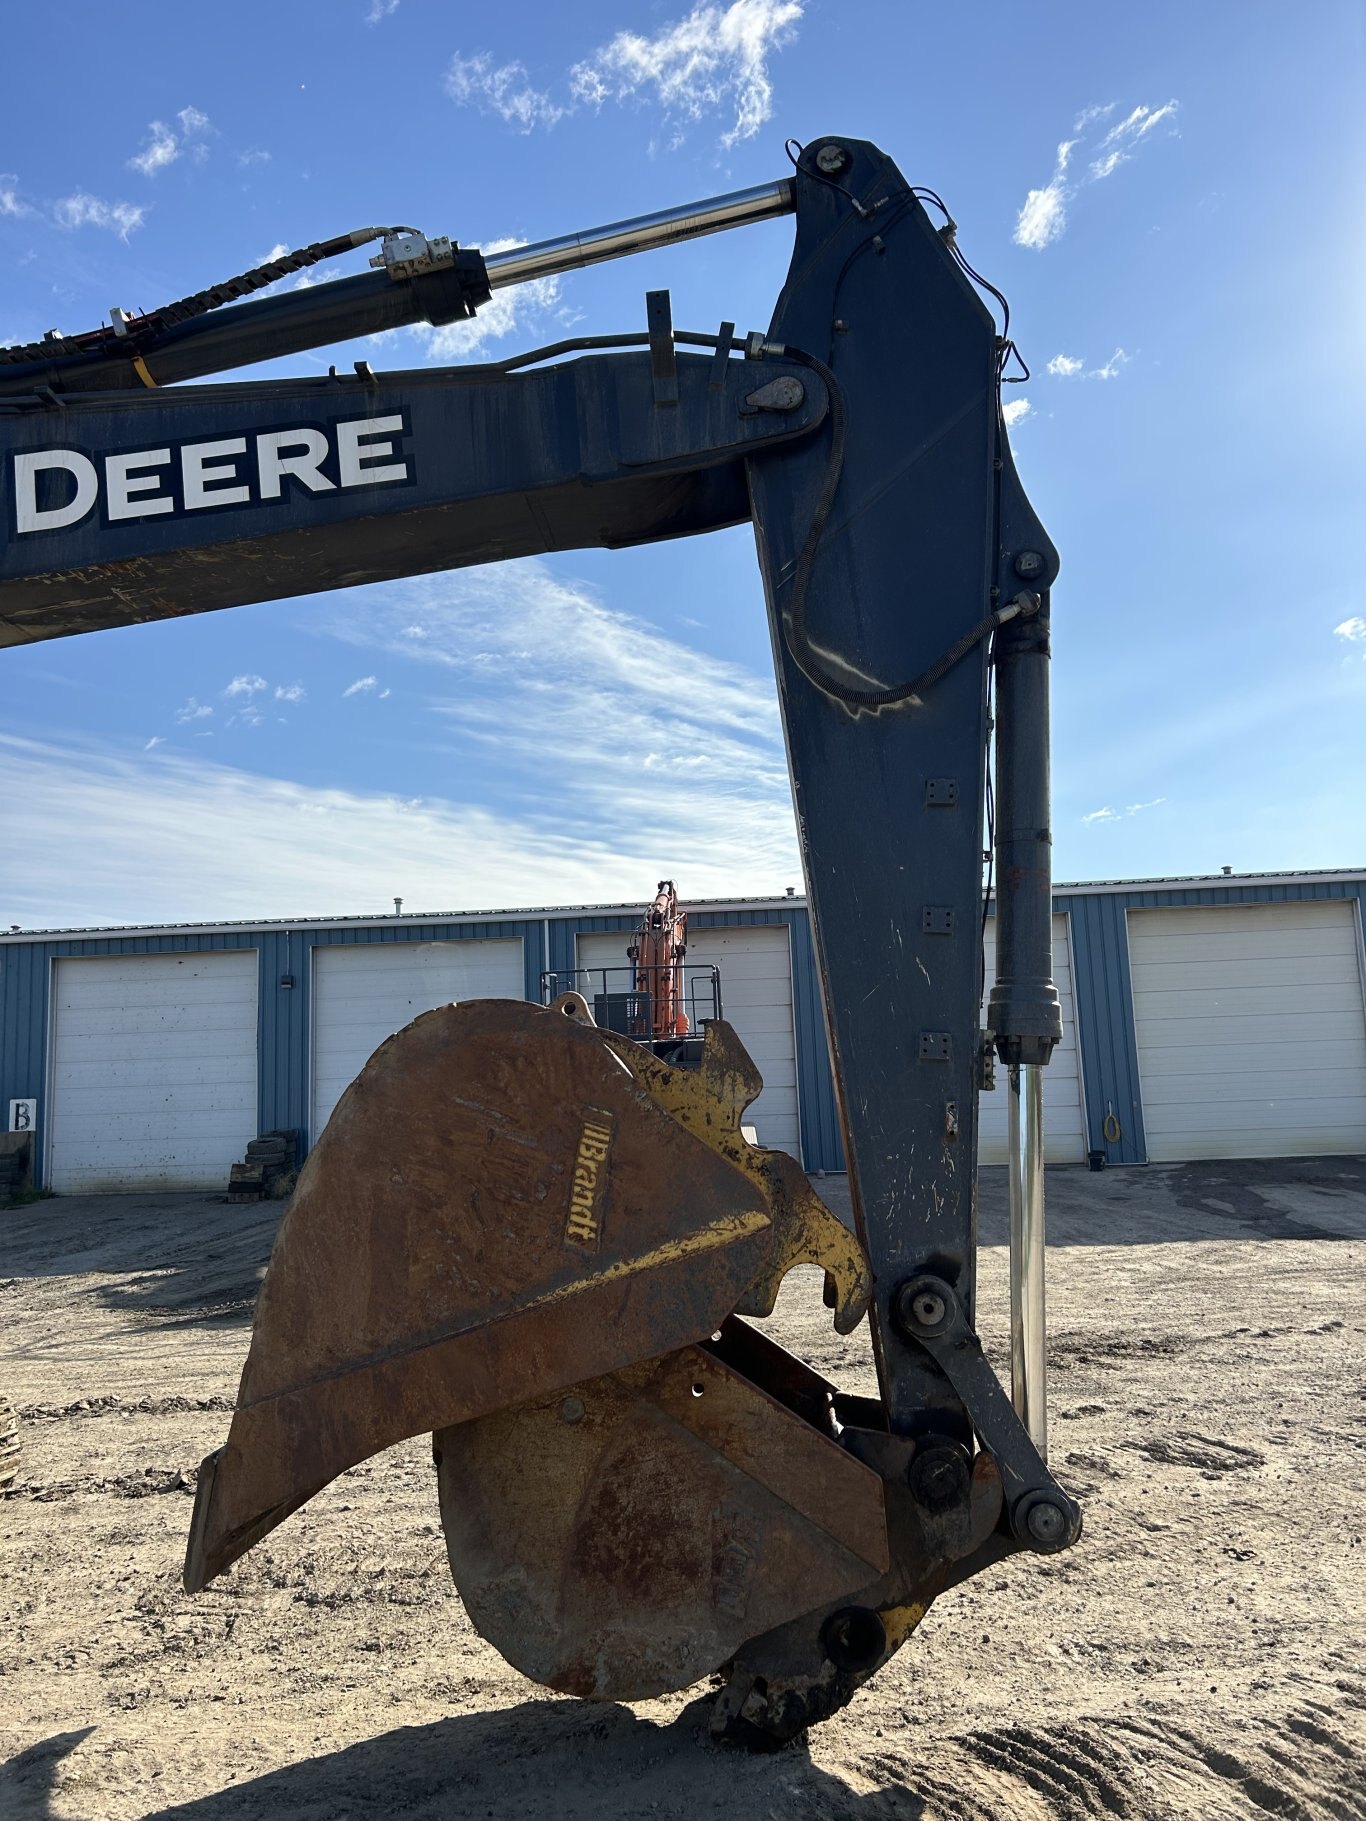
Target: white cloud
x: 174, y: 837
x: 630, y: 749
x: 290, y: 692
x: 248, y: 685
x: 1116, y: 363
x: 1107, y: 814
x: 714, y: 58
x: 194, y: 710
x: 1117, y: 146
x: 361, y: 686
x: 414, y: 632
x: 82, y: 210
x: 380, y: 9
x: 10, y: 203
x: 1064, y: 366
x: 519, y: 307
x: 505, y: 91
x: 1016, y: 410
x: 162, y: 148
x: 1043, y: 215
x: 253, y: 155
x: 156, y: 740
x: 1353, y: 630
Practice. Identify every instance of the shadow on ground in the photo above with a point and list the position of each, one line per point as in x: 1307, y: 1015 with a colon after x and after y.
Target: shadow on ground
x: 194, y: 1259
x: 541, y: 1758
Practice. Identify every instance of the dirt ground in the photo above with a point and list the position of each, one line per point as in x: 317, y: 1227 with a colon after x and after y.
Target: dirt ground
x: 1199, y: 1655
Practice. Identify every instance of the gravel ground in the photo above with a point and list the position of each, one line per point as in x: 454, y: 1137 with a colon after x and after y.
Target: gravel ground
x: 1199, y: 1655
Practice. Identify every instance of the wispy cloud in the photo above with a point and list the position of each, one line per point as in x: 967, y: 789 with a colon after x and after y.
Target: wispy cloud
x: 648, y: 734
x: 194, y: 710
x: 379, y: 10
x: 503, y: 89
x: 290, y: 692
x: 247, y: 685
x: 1016, y: 411
x: 1069, y: 366
x: 164, y: 145
x: 1107, y: 814
x: 713, y: 60
x: 1118, y: 145
x: 162, y: 148
x: 1115, y: 365
x: 82, y: 210
x: 10, y: 201
x: 1043, y: 214
x: 156, y: 740
x: 253, y: 155
x: 361, y: 686
x: 168, y: 836
x: 1353, y: 630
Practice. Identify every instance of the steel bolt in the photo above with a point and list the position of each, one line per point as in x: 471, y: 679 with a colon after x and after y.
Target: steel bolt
x: 939, y: 1476
x: 1047, y: 1523
x: 572, y: 1410
x: 927, y: 1309
x: 921, y: 1306
x: 1028, y: 562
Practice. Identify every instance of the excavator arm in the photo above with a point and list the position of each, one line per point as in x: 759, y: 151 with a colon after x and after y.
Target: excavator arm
x: 533, y: 1237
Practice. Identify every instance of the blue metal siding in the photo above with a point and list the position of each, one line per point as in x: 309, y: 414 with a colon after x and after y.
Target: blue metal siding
x: 25, y: 1006
x: 1104, y: 988
x: 1100, y: 961
x: 1105, y: 1025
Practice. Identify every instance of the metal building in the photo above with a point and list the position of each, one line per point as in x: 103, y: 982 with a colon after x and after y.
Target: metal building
x: 1203, y: 1018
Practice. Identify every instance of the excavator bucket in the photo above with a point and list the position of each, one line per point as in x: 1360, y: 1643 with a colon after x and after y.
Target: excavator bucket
x: 507, y: 1203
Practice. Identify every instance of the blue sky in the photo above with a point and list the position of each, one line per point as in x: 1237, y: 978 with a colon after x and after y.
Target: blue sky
x: 1186, y: 278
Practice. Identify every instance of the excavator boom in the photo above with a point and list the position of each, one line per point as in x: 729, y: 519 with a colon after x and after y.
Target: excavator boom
x: 527, y: 1234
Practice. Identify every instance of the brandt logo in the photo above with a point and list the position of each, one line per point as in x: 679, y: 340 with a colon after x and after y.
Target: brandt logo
x: 588, y: 1190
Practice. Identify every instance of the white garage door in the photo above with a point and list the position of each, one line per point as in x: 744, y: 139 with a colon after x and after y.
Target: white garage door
x: 153, y: 1071
x: 1064, y: 1116
x: 1251, y: 1030
x: 756, y: 997
x: 365, y: 991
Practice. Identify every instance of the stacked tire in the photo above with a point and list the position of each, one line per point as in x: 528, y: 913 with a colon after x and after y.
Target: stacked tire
x: 9, y: 1445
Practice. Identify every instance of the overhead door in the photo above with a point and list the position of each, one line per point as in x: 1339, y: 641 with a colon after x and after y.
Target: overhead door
x: 756, y: 997
x: 153, y: 1075
x: 363, y: 992
x: 1251, y: 1030
x: 1064, y: 1115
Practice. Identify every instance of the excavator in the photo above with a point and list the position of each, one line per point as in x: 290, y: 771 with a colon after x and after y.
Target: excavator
x: 524, y: 1232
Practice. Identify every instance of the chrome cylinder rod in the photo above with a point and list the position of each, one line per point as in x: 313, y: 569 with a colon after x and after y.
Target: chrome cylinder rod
x: 687, y: 222
x: 1028, y: 1321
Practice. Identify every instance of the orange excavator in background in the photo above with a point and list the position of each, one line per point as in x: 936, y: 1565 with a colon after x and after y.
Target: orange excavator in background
x: 658, y: 951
